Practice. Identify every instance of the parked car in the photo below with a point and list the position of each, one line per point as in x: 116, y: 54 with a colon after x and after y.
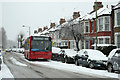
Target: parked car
x: 8, y: 50
x: 56, y: 53
x: 113, y: 63
x: 67, y: 55
x: 21, y: 50
x: 91, y: 58
x: 13, y: 49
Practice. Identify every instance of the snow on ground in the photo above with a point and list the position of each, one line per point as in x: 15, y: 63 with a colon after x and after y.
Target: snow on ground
x: 77, y: 69
x: 73, y: 68
x: 5, y: 72
x: 14, y: 61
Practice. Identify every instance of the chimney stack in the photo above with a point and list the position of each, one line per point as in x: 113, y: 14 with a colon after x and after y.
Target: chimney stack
x: 35, y: 32
x: 76, y: 15
x: 39, y: 29
x: 45, y: 28
x: 62, y: 21
x: 52, y: 25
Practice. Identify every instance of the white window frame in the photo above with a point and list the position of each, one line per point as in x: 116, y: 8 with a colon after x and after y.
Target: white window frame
x: 115, y: 14
x: 98, y: 24
x: 116, y: 43
x: 104, y: 37
x: 88, y: 27
x: 105, y: 23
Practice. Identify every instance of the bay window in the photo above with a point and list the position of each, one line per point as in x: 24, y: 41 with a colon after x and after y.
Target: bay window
x: 107, y: 23
x: 101, y: 24
x: 118, y: 18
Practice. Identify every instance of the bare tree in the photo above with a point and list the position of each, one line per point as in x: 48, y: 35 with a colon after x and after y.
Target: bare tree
x: 20, y: 39
x: 74, y: 31
x: 4, y: 38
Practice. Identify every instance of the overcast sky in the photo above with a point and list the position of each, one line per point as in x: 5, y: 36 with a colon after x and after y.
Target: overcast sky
x: 40, y: 13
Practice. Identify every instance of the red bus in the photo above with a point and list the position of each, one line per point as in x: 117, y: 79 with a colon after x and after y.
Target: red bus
x: 38, y: 47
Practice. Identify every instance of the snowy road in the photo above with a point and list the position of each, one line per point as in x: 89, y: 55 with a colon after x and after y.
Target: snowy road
x: 22, y: 68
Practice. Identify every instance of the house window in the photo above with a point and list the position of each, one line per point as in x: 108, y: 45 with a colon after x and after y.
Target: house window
x: 107, y: 41
x: 66, y: 43
x: 101, y: 24
x: 92, y: 26
x: 118, y: 18
x: 82, y: 44
x: 59, y: 44
x: 93, y: 41
x: 107, y: 23
x: 118, y: 41
x: 100, y: 40
x: 86, y: 27
x: 87, y: 45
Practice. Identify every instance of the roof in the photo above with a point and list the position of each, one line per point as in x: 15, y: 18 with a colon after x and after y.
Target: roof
x: 102, y: 11
x: 117, y: 6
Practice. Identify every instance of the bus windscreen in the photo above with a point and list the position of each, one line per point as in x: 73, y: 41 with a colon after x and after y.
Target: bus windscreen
x: 41, y: 44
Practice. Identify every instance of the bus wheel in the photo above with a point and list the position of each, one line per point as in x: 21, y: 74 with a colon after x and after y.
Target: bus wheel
x: 48, y: 60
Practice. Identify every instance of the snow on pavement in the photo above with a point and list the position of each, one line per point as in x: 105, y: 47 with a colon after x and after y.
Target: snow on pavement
x: 5, y: 72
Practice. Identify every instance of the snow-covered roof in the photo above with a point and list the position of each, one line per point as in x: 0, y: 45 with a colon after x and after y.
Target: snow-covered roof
x: 104, y: 11
x: 117, y: 6
x: 45, y: 31
x: 99, y: 13
x: 52, y: 29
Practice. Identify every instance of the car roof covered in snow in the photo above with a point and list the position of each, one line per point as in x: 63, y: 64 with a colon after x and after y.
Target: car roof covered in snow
x: 70, y: 52
x: 55, y: 50
x: 93, y: 54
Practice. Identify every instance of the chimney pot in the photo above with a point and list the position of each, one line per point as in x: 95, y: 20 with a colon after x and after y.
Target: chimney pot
x: 62, y: 21
x: 76, y: 15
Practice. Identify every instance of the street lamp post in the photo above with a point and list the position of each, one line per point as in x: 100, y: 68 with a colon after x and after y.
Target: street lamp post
x: 28, y: 27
